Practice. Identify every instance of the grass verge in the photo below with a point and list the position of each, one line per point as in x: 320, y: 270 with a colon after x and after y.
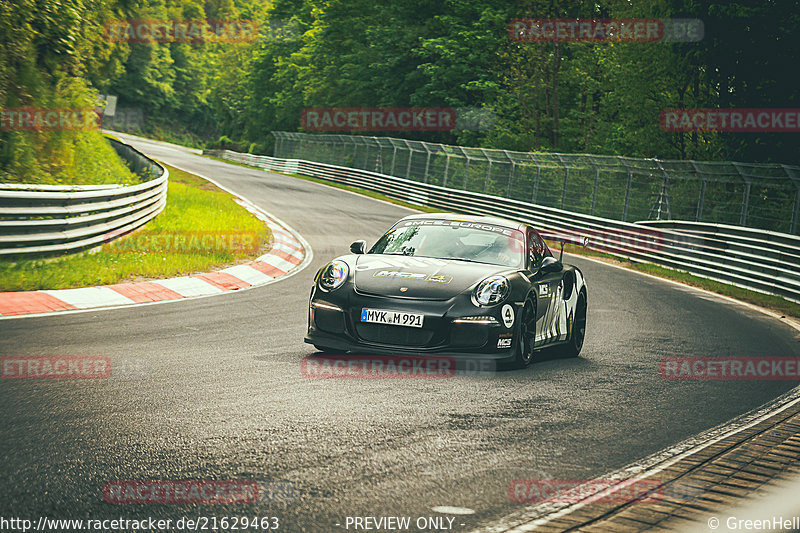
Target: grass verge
x: 768, y: 301
x: 195, y: 208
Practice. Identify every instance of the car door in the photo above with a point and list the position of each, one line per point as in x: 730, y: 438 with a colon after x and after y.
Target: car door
x: 549, y: 289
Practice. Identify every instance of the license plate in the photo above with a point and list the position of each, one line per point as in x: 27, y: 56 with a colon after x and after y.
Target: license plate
x: 395, y: 318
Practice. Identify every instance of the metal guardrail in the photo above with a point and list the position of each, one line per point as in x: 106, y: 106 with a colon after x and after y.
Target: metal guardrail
x: 755, y: 259
x: 758, y: 195
x: 44, y: 219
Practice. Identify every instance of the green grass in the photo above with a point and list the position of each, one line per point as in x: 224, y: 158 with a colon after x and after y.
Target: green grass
x: 64, y: 158
x: 193, y: 205
x: 768, y: 301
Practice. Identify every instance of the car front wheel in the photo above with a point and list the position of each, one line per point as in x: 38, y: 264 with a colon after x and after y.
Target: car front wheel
x: 526, y: 333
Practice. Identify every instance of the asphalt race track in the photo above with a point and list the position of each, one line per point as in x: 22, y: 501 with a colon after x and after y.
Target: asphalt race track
x: 211, y: 389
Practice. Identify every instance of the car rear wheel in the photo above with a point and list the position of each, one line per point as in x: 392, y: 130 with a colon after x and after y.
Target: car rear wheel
x: 526, y: 333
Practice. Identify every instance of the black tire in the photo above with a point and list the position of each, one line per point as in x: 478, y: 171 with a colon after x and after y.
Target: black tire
x: 573, y: 347
x: 525, y: 336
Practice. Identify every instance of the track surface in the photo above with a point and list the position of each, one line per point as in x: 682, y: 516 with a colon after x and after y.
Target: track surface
x: 211, y: 389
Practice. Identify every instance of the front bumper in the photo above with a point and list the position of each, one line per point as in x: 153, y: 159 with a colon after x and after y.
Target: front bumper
x: 454, y: 327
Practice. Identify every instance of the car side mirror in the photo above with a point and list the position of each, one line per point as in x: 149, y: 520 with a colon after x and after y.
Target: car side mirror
x: 551, y: 264
x: 358, y: 247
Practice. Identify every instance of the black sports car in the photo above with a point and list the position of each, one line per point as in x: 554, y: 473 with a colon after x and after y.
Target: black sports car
x: 449, y: 284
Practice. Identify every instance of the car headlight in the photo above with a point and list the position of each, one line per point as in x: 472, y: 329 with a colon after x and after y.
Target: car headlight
x: 492, y: 290
x: 333, y: 275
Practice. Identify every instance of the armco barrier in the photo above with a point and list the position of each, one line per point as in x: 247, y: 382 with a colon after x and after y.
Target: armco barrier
x: 755, y: 259
x: 45, y: 219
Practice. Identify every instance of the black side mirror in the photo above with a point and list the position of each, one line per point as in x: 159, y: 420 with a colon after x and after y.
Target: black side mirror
x: 358, y: 247
x: 550, y: 264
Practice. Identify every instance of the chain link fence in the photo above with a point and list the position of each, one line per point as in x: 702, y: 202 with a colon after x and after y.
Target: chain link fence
x: 764, y: 196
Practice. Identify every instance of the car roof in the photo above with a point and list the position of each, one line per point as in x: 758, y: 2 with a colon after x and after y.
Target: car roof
x: 481, y: 219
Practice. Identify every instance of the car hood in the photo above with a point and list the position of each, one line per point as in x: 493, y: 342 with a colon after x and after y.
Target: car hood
x: 418, y: 277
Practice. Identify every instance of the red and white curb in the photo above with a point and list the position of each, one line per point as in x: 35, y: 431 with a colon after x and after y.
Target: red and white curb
x: 289, y: 254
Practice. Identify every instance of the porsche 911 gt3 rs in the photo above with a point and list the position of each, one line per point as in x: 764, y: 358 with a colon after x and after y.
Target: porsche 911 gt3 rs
x: 449, y: 284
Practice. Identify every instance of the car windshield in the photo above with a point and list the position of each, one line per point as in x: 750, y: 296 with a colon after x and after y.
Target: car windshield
x: 454, y: 239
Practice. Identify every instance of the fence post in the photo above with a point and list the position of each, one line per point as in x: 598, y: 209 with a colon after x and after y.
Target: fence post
x: 536, y: 181
x: 511, y: 174
x: 796, y: 212
x: 745, y: 196
x: 566, y: 176
x: 410, y: 155
x: 663, y: 197
x: 466, y: 169
x: 488, y: 172
x: 596, y: 180
x: 702, y: 197
x: 367, y: 143
x: 354, y: 139
x: 627, y: 190
x: 446, y: 167
x: 394, y: 158
x: 427, y: 162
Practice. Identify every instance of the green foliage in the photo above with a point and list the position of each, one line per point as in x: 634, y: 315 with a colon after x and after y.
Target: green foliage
x: 49, y: 52
x: 602, y: 98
